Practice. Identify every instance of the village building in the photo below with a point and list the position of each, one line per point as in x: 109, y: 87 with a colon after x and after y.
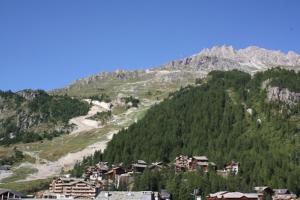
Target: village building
x: 264, y: 190
x: 115, y: 172
x: 139, y: 166
x: 126, y: 179
x: 232, y: 167
x: 224, y: 195
x: 164, y: 195
x: 181, y: 163
x: 118, y: 195
x: 185, y: 163
x: 70, y: 187
x: 97, y: 172
x: 6, y: 194
x: 283, y: 194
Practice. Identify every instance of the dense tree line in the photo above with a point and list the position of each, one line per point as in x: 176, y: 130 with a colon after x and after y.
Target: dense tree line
x: 213, y: 119
x: 103, y: 117
x: 42, y: 109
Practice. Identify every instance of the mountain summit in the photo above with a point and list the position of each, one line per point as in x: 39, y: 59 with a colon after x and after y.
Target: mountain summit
x: 250, y: 59
x: 183, y: 71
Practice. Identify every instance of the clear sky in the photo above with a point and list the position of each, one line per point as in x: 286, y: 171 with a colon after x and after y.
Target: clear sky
x: 47, y: 44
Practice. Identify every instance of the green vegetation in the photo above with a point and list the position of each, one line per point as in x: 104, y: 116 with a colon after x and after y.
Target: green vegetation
x: 16, y: 157
x: 181, y: 185
x: 35, y: 119
x: 57, y: 108
x: 280, y: 78
x: 212, y: 120
x: 132, y: 100
x: 28, y: 187
x: 102, y: 97
x: 19, y: 174
x: 103, y: 117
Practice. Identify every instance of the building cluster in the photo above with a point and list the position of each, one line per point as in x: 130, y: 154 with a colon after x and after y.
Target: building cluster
x: 193, y: 163
x: 101, y: 182
x: 102, y: 177
x: 187, y: 163
x: 259, y: 194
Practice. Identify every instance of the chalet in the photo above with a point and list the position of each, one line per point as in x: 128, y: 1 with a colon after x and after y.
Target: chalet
x: 119, y: 195
x: 125, y: 179
x: 164, y: 195
x: 283, y: 194
x: 115, y: 172
x: 224, y: 195
x: 77, y: 188
x: 185, y: 163
x: 182, y: 163
x: 139, y: 166
x: 10, y: 194
x: 97, y: 172
x: 232, y: 167
x: 264, y: 190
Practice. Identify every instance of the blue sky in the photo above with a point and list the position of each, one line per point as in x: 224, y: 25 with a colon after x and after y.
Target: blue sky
x: 48, y: 44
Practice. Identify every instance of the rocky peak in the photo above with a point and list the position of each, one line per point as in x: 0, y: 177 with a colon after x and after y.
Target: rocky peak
x: 255, y: 56
x: 29, y: 94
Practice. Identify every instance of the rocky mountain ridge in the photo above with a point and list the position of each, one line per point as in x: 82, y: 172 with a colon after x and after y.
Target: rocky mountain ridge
x: 184, y: 71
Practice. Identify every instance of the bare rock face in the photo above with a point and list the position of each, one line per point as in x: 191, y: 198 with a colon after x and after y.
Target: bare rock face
x: 30, y: 94
x: 251, y: 60
x: 283, y: 95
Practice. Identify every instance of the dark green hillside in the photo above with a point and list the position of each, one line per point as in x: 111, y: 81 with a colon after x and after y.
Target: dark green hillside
x: 212, y: 119
x: 30, y: 116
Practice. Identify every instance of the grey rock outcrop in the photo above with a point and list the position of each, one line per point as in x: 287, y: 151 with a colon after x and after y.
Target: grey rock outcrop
x: 283, y: 95
x: 184, y: 71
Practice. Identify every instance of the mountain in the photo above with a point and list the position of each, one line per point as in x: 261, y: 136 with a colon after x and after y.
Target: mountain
x: 32, y: 115
x: 230, y: 116
x: 40, y: 119
x: 181, y: 72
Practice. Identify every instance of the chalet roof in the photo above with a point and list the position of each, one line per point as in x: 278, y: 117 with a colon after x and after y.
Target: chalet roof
x: 103, y: 166
x: 238, y: 195
x: 202, y: 163
x: 200, y: 158
x: 157, y: 163
x: 217, y: 194
x: 233, y: 163
x: 233, y: 195
x: 2, y: 191
x: 72, y: 181
x: 139, y: 165
x: 141, y: 162
x: 181, y: 156
x: 120, y: 195
x: 261, y: 189
x: 164, y: 194
x: 281, y: 191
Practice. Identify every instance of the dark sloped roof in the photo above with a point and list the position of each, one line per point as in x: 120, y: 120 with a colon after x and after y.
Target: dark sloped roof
x: 12, y: 191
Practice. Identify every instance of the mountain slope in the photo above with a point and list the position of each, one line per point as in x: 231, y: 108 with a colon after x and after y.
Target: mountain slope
x: 227, y: 118
x: 173, y: 75
x: 29, y: 116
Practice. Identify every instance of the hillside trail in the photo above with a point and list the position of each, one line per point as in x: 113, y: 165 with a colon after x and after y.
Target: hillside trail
x: 83, y: 123
x: 46, y: 169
